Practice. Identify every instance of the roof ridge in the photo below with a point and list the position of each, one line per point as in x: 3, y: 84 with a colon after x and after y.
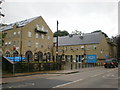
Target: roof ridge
x: 19, y: 23
x: 28, y: 19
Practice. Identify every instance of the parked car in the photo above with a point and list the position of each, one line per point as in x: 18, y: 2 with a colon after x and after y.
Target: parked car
x: 111, y: 63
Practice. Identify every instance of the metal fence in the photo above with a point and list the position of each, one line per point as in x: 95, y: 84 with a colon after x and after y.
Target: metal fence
x: 44, y: 65
x: 76, y: 65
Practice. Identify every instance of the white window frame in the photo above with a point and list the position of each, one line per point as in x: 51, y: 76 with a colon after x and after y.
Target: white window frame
x: 6, y: 43
x: 29, y: 43
x: 14, y: 33
x: 42, y: 28
x: 48, y: 46
x: 9, y: 43
x: 14, y: 42
x: 36, y: 44
x: 42, y: 36
x: 42, y: 45
x: 29, y: 34
x: 18, y: 32
x: 36, y: 35
x: 38, y: 27
x: 94, y: 47
x: 48, y: 37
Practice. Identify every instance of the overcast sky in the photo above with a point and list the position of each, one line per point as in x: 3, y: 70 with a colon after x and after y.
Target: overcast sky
x: 82, y: 15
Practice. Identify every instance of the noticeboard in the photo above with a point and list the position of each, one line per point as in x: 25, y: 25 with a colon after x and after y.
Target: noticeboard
x: 91, y: 58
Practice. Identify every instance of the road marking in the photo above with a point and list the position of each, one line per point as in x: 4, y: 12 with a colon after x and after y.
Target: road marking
x: 67, y: 83
x: 97, y: 74
x: 103, y: 76
x: 22, y: 85
x: 112, y: 75
x: 102, y: 73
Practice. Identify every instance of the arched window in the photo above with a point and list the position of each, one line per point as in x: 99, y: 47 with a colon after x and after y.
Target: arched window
x: 15, y: 53
x: 40, y: 56
x: 48, y: 56
x: 7, y: 54
x: 29, y: 56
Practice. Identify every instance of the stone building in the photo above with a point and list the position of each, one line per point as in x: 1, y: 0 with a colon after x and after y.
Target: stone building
x: 31, y: 38
x: 75, y: 47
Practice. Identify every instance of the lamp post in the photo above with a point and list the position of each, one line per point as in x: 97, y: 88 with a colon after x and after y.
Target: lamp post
x: 57, y: 43
x: 84, y: 55
x: 14, y: 49
x: 21, y: 44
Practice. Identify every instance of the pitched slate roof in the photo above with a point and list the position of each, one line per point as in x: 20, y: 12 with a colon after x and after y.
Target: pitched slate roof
x: 18, y: 24
x: 90, y: 38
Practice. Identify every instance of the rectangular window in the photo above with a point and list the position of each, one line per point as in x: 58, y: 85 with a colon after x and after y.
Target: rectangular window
x: 36, y: 35
x: 94, y: 47
x: 42, y: 36
x: 9, y: 43
x: 6, y: 44
x: 29, y: 34
x: 29, y: 43
x: 42, y: 28
x: 37, y: 26
x: 48, y: 46
x: 14, y: 33
x: 42, y: 46
x: 82, y: 47
x: 14, y: 42
x: 48, y: 37
x: 37, y: 44
x: 18, y: 33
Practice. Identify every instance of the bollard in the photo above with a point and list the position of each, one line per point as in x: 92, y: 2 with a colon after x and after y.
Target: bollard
x: 71, y: 66
x: 79, y: 65
x: 76, y: 65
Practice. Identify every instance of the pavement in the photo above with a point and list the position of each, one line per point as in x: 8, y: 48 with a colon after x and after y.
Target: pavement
x: 41, y: 72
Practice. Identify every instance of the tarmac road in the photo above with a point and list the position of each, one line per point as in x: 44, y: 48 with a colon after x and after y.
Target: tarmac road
x: 99, y: 77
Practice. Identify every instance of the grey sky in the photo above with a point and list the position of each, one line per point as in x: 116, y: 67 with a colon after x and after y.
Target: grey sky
x: 73, y: 15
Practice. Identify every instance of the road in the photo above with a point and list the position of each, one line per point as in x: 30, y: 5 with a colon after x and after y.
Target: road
x: 97, y: 77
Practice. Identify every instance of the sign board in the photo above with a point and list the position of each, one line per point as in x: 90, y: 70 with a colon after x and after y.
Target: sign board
x: 91, y: 58
x: 16, y: 59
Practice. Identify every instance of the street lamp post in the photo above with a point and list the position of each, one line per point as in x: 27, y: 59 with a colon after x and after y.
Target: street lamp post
x: 84, y: 54
x: 57, y: 43
x: 21, y: 44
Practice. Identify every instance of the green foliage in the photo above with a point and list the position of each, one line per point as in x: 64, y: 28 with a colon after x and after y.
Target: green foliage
x: 61, y: 33
x: 4, y: 35
x: 100, y: 31
x: 76, y: 32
